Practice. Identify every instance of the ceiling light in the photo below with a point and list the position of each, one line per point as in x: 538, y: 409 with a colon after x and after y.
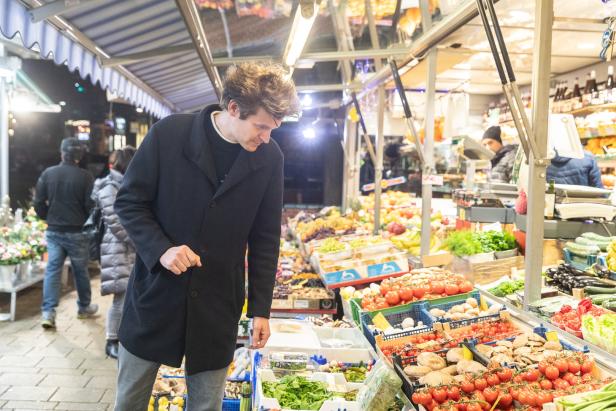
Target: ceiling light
x: 62, y: 103
x: 139, y: 109
x: 298, y: 36
x: 587, y: 46
x: 309, y: 133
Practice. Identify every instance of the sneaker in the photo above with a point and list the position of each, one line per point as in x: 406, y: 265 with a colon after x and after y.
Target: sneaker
x: 87, y: 312
x: 48, y: 321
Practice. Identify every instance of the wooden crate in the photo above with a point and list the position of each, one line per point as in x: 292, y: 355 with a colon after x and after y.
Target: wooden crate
x: 489, y: 271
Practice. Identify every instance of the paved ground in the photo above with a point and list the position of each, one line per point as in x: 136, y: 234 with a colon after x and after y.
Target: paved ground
x: 64, y: 369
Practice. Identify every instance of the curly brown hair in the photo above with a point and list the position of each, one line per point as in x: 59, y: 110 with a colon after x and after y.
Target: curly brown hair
x: 253, y: 85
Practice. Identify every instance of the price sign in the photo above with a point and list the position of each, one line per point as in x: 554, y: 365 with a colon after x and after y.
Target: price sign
x: 432, y: 179
x: 385, y: 183
x: 466, y: 353
x: 552, y: 336
x: 381, y: 322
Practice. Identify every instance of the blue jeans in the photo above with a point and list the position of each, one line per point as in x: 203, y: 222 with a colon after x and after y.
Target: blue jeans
x: 136, y: 378
x: 59, y: 246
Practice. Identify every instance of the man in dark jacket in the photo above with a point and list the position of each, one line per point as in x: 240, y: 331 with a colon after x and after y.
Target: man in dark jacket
x: 201, y: 189
x: 575, y: 171
x: 63, y: 199
x: 504, y: 156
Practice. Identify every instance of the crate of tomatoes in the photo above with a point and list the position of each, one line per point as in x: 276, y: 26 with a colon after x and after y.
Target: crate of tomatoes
x: 395, y: 295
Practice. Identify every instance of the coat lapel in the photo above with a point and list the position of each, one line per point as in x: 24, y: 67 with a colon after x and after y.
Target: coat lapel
x: 198, y: 150
x: 245, y: 164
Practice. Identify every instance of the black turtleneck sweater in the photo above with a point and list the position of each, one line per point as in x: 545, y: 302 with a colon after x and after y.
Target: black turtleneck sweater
x: 225, y: 153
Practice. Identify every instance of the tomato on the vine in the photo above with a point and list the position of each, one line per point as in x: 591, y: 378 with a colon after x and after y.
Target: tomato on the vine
x: 562, y: 365
x: 551, y: 372
x: 587, y: 366
x: 453, y: 393
x: 546, y: 384
x: 440, y: 395
x: 574, y: 366
x: 490, y: 394
x: 480, y: 384
x: 467, y: 386
x: 505, y: 374
x: 493, y: 379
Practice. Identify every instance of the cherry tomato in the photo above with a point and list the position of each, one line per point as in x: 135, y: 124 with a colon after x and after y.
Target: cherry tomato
x: 467, y: 386
x: 505, y: 374
x: 523, y: 397
x: 461, y: 406
x: 437, y: 287
x: 480, y: 384
x: 453, y: 393
x: 574, y: 366
x: 440, y: 395
x: 465, y: 287
x: 451, y: 289
x: 405, y: 294
x: 551, y: 372
x: 385, y: 288
x: 561, y: 384
x: 542, y: 366
x: 473, y: 406
x: 506, y: 400
x: 587, y: 366
x: 420, y: 291
x: 546, y: 384
x: 490, y: 394
x: 562, y: 365
x: 543, y: 397
x: 493, y: 379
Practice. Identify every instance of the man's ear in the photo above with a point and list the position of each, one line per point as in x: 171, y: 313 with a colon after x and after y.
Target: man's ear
x: 233, y: 108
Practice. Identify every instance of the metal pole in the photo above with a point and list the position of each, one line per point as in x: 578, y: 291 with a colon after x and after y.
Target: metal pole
x: 426, y: 189
x: 348, y: 159
x: 4, y: 134
x: 544, y: 16
x: 378, y: 167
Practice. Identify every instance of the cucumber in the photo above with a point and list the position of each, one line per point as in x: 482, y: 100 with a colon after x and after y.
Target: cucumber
x: 599, y: 299
x: 597, y: 237
x: 610, y: 305
x: 582, y: 250
x: 603, y: 245
x: 600, y: 290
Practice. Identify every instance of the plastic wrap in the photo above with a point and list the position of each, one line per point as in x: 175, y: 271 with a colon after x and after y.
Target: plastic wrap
x: 380, y: 388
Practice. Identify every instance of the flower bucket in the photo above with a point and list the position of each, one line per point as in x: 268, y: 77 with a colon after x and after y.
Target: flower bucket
x: 25, y: 268
x: 8, y: 275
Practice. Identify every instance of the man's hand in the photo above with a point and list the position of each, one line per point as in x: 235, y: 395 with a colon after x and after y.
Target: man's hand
x: 179, y: 259
x: 260, y: 332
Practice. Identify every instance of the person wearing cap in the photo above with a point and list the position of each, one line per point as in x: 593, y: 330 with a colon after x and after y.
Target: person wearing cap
x: 63, y: 199
x: 504, y: 155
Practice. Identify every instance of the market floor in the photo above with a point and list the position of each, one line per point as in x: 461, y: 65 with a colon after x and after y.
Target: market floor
x: 64, y: 369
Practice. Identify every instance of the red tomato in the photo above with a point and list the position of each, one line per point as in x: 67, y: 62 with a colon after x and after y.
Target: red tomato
x: 543, y: 397
x: 492, y: 379
x: 531, y: 375
x: 451, y: 289
x: 467, y: 386
x: 385, y: 288
x: 551, y: 372
x: 461, y: 406
x: 542, y: 366
x: 523, y: 397
x: 574, y: 366
x: 473, y: 406
x: 453, y: 393
x: 420, y: 291
x: 440, y: 395
x: 437, y: 287
x: 382, y: 305
x: 561, y: 384
x: 587, y: 366
x: 506, y: 400
x: 569, y: 377
x: 546, y: 384
x: 490, y: 394
x: 480, y: 384
x: 465, y: 287
x: 405, y: 294
x: 562, y: 365
x: 505, y: 374
x: 392, y: 298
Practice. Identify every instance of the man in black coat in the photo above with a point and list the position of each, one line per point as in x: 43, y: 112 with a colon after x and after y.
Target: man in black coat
x: 201, y: 190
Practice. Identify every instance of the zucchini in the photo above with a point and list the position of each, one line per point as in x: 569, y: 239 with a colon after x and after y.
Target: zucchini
x: 603, y: 245
x: 610, y: 305
x: 582, y: 250
x: 600, y: 298
x: 597, y: 237
x: 599, y: 290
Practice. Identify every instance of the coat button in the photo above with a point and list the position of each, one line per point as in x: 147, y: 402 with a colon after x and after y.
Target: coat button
x: 194, y: 293
x: 212, y: 204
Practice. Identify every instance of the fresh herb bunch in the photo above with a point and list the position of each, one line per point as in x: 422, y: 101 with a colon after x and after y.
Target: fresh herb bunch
x: 463, y: 243
x: 297, y: 393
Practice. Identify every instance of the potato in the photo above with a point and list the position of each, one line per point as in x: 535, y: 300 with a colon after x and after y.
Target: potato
x: 456, y: 309
x: 466, y: 366
x: 434, y: 361
x: 451, y: 370
x: 472, y: 302
x: 416, y: 371
x: 467, y: 307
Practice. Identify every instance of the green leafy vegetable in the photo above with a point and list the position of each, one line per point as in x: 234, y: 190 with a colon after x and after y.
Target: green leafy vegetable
x: 297, y: 393
x: 463, y: 243
x: 507, y: 287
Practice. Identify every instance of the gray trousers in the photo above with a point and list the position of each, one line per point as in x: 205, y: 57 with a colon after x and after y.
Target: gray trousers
x: 136, y: 378
x: 114, y: 315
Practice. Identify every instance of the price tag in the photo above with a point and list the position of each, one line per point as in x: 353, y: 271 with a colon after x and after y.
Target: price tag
x: 466, y: 353
x: 551, y: 336
x: 380, y: 322
x: 301, y: 304
x: 483, y: 304
x: 432, y: 179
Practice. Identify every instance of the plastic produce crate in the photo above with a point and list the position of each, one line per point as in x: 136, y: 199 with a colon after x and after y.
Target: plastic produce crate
x: 229, y: 404
x: 448, y: 305
x: 541, y: 330
x: 576, y: 262
x: 414, y: 311
x: 356, y: 310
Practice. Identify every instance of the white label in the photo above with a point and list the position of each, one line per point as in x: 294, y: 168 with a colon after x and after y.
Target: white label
x: 302, y: 304
x: 432, y: 179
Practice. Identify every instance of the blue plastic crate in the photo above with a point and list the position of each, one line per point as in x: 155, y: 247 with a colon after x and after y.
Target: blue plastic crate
x: 229, y: 404
x: 459, y: 323
x: 541, y: 330
x: 396, y: 319
x: 577, y: 261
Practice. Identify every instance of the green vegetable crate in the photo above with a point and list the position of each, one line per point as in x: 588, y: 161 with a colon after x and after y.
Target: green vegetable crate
x: 356, y: 310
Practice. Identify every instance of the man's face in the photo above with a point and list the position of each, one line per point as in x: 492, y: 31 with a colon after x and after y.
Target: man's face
x: 491, y: 145
x: 254, y: 130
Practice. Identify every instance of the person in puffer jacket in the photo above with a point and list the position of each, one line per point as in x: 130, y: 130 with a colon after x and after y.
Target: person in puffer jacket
x: 576, y: 171
x: 117, y: 250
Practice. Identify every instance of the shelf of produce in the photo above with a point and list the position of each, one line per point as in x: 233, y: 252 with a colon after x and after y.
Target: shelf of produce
x: 591, y: 109
x: 605, y: 359
x: 565, y: 229
x: 360, y: 281
x: 291, y: 313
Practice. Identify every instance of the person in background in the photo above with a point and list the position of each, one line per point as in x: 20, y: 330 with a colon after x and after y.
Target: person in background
x: 63, y: 199
x: 575, y: 171
x: 117, y: 250
x: 504, y: 156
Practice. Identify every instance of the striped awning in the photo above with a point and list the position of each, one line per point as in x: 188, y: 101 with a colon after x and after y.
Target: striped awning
x: 117, y: 28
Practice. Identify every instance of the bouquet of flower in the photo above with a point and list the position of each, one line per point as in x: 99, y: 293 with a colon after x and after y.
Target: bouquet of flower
x: 10, y: 254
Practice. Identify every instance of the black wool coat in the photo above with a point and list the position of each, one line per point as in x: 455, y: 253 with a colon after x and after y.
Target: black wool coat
x: 169, y: 197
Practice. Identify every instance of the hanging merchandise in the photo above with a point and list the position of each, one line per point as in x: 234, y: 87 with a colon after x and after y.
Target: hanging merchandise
x: 456, y: 114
